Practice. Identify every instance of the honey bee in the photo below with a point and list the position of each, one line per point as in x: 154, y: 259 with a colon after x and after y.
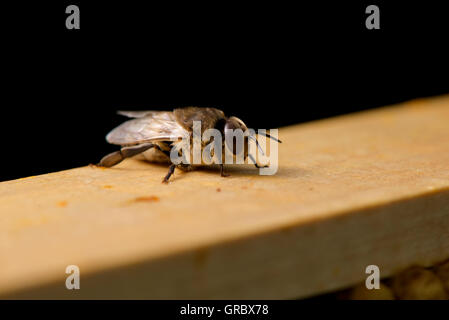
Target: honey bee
x: 156, y: 133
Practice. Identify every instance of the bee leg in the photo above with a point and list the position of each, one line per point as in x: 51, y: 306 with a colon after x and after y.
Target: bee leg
x: 223, y: 174
x: 126, y: 152
x: 255, y: 162
x: 170, y: 172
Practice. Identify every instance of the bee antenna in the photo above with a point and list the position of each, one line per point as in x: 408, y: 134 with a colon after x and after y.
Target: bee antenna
x: 257, y: 143
x: 268, y: 136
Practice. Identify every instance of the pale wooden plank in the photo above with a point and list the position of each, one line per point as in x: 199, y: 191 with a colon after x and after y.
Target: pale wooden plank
x: 367, y: 188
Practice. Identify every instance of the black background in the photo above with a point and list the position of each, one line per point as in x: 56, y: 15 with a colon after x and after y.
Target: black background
x: 269, y: 63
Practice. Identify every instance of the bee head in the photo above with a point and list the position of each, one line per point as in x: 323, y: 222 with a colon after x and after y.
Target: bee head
x: 231, y: 125
x: 234, y: 123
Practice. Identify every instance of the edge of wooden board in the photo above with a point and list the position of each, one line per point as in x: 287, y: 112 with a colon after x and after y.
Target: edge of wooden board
x: 278, y: 264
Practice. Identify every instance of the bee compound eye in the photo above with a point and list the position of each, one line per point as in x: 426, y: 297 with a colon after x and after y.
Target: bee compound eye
x: 234, y: 139
x: 231, y: 124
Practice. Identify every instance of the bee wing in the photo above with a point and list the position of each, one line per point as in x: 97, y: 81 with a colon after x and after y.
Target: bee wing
x: 164, y: 115
x: 154, y: 126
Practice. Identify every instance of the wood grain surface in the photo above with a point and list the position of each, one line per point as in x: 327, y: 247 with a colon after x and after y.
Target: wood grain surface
x: 351, y: 191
